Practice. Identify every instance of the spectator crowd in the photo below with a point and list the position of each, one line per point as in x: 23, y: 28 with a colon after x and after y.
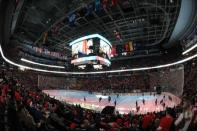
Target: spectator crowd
x: 23, y: 108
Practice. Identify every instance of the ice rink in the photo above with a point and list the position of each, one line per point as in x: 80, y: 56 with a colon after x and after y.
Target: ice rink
x: 125, y: 102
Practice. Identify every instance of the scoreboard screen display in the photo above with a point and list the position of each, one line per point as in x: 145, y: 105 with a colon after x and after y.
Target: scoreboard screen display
x: 93, y: 49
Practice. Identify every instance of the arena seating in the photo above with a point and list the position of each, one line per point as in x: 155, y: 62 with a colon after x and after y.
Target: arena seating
x: 27, y: 109
x: 190, y: 86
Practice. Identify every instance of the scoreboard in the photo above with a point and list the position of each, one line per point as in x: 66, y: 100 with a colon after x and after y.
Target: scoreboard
x: 92, y: 49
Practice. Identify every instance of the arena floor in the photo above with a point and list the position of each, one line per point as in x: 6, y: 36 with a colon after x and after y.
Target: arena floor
x: 125, y: 102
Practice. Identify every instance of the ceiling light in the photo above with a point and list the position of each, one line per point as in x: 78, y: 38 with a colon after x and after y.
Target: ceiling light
x: 190, y: 49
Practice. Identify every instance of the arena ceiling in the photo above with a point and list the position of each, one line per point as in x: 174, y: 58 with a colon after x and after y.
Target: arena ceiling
x: 146, y: 22
x: 149, y: 24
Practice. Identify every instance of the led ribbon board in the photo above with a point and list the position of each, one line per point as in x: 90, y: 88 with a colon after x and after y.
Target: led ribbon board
x: 96, y: 72
x: 40, y: 64
x: 92, y: 49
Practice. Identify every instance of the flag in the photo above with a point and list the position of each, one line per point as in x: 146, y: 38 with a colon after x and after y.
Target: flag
x: 45, y: 38
x: 114, y: 2
x: 71, y: 18
x: 130, y: 46
x: 127, y: 48
x: 97, y: 5
x: 113, y: 52
x: 89, y: 10
x: 105, y: 4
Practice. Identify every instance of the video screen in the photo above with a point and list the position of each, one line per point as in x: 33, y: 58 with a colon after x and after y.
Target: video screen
x: 91, y: 50
x: 82, y: 48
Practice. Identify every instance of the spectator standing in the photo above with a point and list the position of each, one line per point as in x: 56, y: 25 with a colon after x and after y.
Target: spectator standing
x: 184, y: 119
x: 166, y: 121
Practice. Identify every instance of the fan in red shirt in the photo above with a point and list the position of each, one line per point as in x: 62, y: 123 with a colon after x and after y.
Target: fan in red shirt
x: 146, y: 121
x: 17, y: 96
x: 5, y: 90
x: 2, y: 99
x: 73, y: 125
x: 114, y: 126
x: 114, y: 2
x: 166, y: 122
x: 46, y: 105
